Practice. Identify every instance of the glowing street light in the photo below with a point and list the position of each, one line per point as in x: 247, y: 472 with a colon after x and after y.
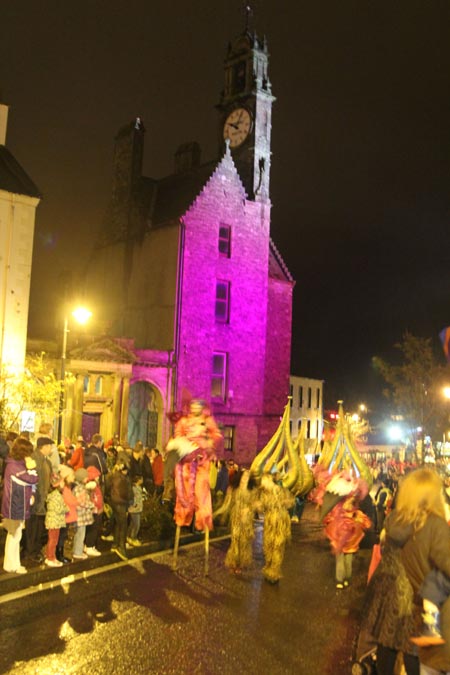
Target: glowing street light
x: 395, y: 433
x: 82, y: 316
x: 446, y: 392
x: 362, y: 408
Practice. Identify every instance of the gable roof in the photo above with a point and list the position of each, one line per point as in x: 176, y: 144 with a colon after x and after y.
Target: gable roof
x: 13, y: 178
x: 174, y: 194
x: 104, y: 349
x: 277, y: 267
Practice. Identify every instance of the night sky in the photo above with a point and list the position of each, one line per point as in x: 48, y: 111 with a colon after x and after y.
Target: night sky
x: 361, y: 149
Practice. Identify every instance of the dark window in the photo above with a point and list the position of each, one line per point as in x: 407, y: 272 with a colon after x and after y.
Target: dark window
x: 300, y: 397
x: 223, y: 301
x: 309, y: 397
x: 318, y: 398
x: 225, y: 240
x: 219, y: 375
x: 308, y: 429
x: 291, y: 394
x: 239, y: 76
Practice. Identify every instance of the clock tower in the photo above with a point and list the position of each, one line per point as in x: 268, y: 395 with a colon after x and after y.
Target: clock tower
x: 246, y: 112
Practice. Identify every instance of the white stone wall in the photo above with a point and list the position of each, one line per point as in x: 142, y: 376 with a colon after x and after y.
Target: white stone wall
x: 307, y: 406
x: 17, y: 216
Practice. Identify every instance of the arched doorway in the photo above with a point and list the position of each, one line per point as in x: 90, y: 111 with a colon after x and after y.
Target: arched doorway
x: 144, y: 414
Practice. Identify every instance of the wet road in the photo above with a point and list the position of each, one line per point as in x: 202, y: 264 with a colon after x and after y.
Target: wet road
x: 142, y: 617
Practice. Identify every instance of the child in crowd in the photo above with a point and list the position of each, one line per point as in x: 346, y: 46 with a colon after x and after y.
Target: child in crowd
x: 93, y: 530
x: 85, y: 508
x: 55, y: 518
x: 68, y: 475
x: 435, y: 590
x: 135, y: 511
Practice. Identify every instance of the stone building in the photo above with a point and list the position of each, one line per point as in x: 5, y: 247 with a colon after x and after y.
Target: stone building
x: 186, y: 267
x: 19, y: 198
x: 307, y: 408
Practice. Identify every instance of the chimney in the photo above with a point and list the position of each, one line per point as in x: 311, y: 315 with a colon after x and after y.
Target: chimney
x: 187, y: 157
x: 3, y: 123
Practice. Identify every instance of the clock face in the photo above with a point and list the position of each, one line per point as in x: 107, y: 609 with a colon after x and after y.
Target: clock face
x: 237, y: 127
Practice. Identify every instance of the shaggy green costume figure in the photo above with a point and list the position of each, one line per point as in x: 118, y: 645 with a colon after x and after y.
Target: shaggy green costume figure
x: 240, y: 553
x: 274, y: 501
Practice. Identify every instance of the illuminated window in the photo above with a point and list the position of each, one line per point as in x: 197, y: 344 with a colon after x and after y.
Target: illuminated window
x: 86, y: 384
x: 228, y: 438
x: 223, y: 301
x: 219, y: 375
x: 225, y: 240
x: 99, y: 385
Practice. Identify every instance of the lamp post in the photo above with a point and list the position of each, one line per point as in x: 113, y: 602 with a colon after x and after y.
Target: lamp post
x: 81, y: 315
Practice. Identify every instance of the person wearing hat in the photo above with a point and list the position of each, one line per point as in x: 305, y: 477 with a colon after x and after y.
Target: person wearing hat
x: 35, y: 526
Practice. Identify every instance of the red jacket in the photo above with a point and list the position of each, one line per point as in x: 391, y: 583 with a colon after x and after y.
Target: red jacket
x: 158, y: 470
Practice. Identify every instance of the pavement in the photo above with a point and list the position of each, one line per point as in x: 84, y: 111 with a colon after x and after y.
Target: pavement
x: 106, y: 615
x: 39, y: 574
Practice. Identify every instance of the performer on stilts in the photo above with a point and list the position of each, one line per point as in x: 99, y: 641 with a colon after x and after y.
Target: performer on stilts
x: 196, y: 439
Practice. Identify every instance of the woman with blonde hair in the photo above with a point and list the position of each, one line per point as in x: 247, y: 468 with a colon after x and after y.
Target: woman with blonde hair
x: 417, y: 542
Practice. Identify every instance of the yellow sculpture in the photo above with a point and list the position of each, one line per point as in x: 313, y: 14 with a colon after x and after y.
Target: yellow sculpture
x: 342, y: 453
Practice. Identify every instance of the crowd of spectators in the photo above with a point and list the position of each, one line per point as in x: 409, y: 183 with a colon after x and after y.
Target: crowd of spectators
x: 59, y: 503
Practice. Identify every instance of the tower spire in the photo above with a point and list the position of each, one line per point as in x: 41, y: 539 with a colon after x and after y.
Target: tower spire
x: 248, y: 11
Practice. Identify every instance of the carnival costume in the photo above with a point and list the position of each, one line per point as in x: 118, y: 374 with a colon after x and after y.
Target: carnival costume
x: 240, y: 554
x: 344, y: 523
x: 274, y: 502
x: 196, y: 437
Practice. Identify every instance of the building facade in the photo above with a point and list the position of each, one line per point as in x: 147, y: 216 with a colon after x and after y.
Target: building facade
x: 306, y: 408
x: 186, y: 267
x: 19, y: 198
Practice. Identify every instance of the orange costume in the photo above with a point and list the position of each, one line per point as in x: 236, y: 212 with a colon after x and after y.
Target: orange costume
x: 345, y: 526
x: 192, y: 471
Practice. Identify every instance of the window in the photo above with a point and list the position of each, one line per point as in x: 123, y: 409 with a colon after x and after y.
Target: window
x: 225, y: 240
x: 223, y: 301
x: 309, y: 397
x: 308, y: 429
x: 291, y: 394
x: 86, y: 384
x: 318, y: 398
x: 228, y: 438
x: 299, y: 426
x: 300, y: 397
x: 99, y: 385
x: 219, y: 375
x: 317, y: 428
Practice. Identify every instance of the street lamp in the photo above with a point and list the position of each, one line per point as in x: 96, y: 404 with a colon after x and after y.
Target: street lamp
x: 82, y: 316
x: 446, y: 392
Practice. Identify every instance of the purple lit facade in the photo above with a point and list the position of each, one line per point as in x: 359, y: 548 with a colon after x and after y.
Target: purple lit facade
x: 196, y: 280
